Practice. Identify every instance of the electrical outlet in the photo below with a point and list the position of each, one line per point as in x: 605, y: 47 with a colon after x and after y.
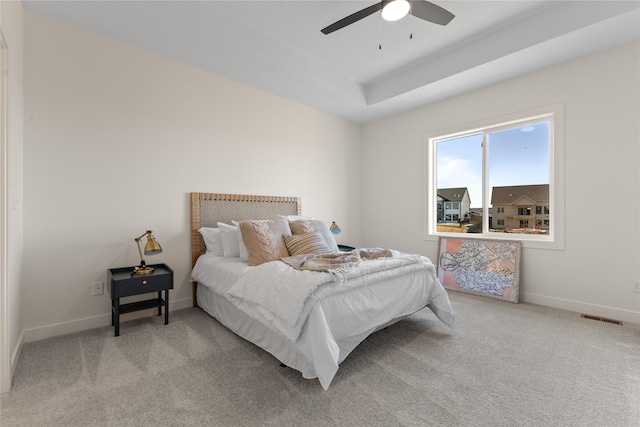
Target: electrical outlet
x: 98, y: 288
x: 635, y: 286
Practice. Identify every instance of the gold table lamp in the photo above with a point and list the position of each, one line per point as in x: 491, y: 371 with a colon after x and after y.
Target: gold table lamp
x: 151, y: 248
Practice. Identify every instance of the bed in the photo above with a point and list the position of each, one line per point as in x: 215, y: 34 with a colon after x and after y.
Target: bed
x: 313, y: 317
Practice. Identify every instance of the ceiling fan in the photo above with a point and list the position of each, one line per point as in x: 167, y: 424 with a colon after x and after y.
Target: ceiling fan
x: 392, y: 10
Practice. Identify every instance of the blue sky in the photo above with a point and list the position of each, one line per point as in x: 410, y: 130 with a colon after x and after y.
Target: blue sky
x: 517, y: 156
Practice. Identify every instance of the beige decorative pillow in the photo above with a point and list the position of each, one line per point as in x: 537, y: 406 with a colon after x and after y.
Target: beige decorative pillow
x: 263, y: 239
x: 313, y: 225
x: 301, y: 226
x: 307, y: 243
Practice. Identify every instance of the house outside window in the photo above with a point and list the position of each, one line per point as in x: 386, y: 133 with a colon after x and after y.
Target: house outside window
x: 516, y: 203
x: 509, y: 168
x: 456, y: 203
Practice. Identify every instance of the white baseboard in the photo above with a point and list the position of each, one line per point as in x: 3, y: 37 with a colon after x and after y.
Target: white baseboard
x: 15, y: 357
x: 64, y: 328
x: 49, y: 331
x: 625, y: 316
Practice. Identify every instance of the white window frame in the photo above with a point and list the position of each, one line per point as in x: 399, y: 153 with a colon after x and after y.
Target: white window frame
x: 553, y: 113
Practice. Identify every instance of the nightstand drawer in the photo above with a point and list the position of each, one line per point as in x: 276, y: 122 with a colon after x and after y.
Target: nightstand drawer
x: 141, y: 285
x: 124, y: 284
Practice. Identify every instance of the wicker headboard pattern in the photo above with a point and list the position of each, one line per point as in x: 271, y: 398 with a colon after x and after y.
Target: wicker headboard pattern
x: 207, y: 209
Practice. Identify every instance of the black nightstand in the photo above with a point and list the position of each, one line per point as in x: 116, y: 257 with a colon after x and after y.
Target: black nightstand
x: 124, y: 283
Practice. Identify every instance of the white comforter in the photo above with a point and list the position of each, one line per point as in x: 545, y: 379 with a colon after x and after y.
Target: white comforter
x: 281, y: 297
x: 331, y: 315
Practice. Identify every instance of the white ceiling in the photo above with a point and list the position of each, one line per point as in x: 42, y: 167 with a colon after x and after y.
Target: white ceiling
x: 277, y: 46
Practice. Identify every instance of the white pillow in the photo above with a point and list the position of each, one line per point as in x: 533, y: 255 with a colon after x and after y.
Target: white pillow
x: 230, y: 246
x: 244, y: 254
x: 212, y: 240
x: 323, y: 229
x: 295, y: 217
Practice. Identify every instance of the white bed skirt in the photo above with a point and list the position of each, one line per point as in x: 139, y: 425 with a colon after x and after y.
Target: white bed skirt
x: 333, y: 329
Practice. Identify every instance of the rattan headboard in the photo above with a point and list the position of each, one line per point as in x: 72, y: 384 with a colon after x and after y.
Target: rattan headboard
x: 207, y: 209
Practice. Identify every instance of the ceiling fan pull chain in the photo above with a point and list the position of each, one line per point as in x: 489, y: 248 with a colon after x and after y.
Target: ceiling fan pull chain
x: 380, y: 33
x: 411, y: 20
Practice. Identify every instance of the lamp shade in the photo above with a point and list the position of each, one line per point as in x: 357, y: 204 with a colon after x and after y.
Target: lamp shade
x: 152, y: 247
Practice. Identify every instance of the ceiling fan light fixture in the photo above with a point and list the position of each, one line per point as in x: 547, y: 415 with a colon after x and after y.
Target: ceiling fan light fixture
x: 395, y: 9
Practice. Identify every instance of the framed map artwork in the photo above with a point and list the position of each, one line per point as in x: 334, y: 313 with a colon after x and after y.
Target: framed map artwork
x: 479, y: 266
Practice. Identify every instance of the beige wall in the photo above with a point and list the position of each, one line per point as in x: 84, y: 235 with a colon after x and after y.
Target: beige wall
x: 601, y: 94
x: 116, y: 138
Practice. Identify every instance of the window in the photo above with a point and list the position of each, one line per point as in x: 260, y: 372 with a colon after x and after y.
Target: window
x: 510, y: 168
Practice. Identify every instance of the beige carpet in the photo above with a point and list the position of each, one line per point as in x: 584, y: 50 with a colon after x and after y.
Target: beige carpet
x: 502, y: 365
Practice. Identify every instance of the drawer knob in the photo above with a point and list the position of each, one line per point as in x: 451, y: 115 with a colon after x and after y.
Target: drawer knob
x: 144, y: 282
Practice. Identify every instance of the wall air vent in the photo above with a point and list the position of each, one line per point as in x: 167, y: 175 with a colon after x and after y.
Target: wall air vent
x: 601, y: 319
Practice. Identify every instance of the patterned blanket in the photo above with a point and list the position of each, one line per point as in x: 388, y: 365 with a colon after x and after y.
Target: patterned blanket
x: 334, y: 261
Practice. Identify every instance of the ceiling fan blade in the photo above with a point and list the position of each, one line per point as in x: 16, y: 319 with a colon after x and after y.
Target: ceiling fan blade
x: 352, y: 18
x: 430, y: 12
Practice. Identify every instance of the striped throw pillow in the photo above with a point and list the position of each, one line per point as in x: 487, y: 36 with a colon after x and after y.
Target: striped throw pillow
x: 307, y: 243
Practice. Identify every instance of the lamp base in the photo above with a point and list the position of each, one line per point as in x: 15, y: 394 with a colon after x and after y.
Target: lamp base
x: 142, y: 270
